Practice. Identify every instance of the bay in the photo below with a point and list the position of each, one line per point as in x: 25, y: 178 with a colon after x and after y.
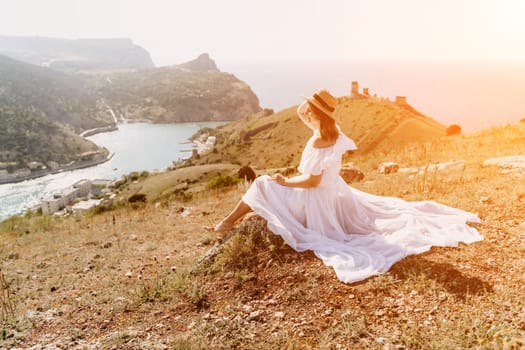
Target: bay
x: 136, y: 147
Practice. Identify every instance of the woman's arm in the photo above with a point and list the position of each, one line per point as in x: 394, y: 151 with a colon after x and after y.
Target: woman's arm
x: 301, y: 181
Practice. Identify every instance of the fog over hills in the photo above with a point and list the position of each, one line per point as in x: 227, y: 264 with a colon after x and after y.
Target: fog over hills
x: 76, y: 54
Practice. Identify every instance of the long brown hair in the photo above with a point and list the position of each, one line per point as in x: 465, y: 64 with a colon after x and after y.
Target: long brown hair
x: 327, y: 128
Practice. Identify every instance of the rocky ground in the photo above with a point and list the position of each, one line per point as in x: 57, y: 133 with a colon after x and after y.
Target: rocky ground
x: 134, y: 278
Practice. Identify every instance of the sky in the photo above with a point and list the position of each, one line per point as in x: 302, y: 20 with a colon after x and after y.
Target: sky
x: 175, y: 31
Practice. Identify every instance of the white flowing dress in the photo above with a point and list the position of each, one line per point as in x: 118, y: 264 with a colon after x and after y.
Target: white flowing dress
x: 357, y: 233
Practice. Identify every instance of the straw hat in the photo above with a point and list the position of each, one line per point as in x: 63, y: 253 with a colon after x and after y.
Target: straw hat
x: 324, y: 101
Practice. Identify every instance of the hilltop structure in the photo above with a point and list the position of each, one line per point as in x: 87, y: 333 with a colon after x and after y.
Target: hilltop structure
x: 355, y: 94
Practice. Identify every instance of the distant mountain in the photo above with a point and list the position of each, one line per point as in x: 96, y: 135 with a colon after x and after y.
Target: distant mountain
x: 192, y: 91
x: 40, y: 111
x: 76, y: 54
x: 60, y: 97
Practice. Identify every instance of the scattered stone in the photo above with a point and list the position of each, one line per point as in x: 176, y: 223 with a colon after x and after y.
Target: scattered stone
x: 173, y: 268
x: 107, y: 245
x: 431, y: 168
x: 388, y: 168
x: 442, y: 296
x: 186, y: 211
x: 254, y: 316
x: 380, y: 312
x: 279, y: 314
x: 247, y: 308
x: 129, y: 274
x: 350, y: 173
x: 13, y: 256
x: 486, y: 200
x: 133, y: 237
x: 510, y: 164
x: 183, y: 186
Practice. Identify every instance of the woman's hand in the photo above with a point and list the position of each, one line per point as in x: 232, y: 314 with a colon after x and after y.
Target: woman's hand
x: 301, y: 181
x: 281, y: 180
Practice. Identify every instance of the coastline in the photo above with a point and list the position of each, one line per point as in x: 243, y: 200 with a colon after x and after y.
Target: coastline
x: 75, y: 166
x: 102, y: 129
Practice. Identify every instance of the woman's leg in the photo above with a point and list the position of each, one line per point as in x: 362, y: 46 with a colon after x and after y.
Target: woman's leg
x: 227, y: 223
x: 237, y: 213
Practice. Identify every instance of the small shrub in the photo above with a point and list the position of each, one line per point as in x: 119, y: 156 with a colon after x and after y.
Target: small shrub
x: 137, y: 197
x: 222, y: 181
x: 134, y: 176
x: 254, y: 244
x: 246, y: 173
x: 453, y: 129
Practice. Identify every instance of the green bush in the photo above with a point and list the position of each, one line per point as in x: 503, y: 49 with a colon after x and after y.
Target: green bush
x: 137, y: 197
x: 222, y: 181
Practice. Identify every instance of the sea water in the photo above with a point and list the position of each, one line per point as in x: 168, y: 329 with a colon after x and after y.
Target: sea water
x: 136, y: 147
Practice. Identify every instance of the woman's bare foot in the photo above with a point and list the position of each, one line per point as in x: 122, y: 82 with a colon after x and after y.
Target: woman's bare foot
x: 222, y: 228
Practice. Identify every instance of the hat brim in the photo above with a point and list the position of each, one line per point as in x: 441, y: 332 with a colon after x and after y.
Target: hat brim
x: 319, y: 106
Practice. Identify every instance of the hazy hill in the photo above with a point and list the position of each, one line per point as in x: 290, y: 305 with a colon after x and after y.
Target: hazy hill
x: 76, y: 54
x: 40, y: 111
x: 60, y: 97
x: 193, y: 91
x: 42, y: 102
x: 28, y: 135
x: 374, y: 124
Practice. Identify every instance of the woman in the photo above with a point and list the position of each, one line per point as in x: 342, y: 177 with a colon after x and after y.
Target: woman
x: 358, y: 234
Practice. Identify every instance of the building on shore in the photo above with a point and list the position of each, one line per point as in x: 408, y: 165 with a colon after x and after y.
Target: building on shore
x: 83, y: 187
x: 69, y: 195
x: 52, y: 204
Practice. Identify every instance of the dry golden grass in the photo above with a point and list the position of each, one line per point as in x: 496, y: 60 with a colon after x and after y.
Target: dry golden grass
x: 372, y: 123
x: 67, y: 276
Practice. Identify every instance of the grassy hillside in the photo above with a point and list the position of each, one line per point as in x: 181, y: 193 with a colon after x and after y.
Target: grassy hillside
x: 129, y: 278
x: 28, y: 136
x: 375, y: 124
